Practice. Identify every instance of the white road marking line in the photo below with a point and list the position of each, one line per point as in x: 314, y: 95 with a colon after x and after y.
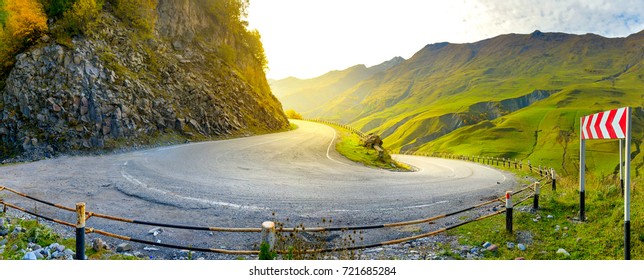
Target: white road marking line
x: 328, y: 149
x: 391, y: 209
x: 135, y: 181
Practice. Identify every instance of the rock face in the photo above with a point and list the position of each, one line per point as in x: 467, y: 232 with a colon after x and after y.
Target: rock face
x: 111, y: 89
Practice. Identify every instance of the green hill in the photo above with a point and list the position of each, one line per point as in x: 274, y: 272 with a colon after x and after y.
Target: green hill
x: 514, y: 95
x: 306, y: 95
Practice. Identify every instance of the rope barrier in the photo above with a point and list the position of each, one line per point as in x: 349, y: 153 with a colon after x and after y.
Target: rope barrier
x: 39, y: 200
x: 221, y: 229
x: 396, y: 241
x: 37, y: 215
x: 180, y: 247
x: 390, y: 225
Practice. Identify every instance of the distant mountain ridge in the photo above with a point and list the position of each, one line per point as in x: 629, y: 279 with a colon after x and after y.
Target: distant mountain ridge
x: 305, y: 95
x: 514, y: 95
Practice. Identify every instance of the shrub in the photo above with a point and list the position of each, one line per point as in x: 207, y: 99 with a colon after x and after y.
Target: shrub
x: 56, y: 8
x: 82, y: 15
x: 140, y: 14
x: 291, y: 114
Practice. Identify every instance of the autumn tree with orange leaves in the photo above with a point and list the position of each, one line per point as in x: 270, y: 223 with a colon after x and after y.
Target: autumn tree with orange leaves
x: 26, y: 20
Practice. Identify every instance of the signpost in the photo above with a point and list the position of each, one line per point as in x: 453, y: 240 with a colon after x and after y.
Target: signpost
x: 612, y: 124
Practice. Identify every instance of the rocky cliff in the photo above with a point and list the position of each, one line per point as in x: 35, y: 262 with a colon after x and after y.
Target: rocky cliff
x: 114, y: 87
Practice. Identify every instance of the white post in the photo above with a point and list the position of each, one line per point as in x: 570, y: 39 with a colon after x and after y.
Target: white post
x: 268, y: 234
x: 582, y: 178
x: 627, y: 187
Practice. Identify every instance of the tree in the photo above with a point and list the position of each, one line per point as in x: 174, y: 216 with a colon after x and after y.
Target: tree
x: 26, y: 20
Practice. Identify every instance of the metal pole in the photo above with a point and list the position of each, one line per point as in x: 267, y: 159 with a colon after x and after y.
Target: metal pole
x: 80, y: 231
x: 627, y: 187
x: 537, y: 190
x: 508, y: 211
x: 621, y: 165
x: 582, y: 178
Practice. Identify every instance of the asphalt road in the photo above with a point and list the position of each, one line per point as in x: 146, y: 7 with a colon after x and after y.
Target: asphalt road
x: 294, y: 177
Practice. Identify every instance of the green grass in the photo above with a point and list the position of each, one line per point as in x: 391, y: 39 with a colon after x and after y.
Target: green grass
x: 600, y: 237
x: 350, y: 146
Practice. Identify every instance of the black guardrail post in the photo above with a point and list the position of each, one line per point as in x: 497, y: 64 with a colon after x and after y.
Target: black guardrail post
x: 508, y: 211
x: 535, y: 201
x: 80, y: 231
x: 554, y: 179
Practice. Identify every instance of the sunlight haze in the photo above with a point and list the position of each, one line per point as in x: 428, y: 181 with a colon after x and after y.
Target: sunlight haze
x: 309, y: 38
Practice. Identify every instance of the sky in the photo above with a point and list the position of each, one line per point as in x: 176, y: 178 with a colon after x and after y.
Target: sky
x: 307, y: 38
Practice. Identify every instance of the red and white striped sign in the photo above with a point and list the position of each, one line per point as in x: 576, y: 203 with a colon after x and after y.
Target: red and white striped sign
x: 605, y: 125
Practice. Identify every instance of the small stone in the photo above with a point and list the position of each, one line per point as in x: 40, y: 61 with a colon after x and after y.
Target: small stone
x: 520, y: 259
x: 150, y: 249
x: 155, y: 231
x: 510, y: 245
x: 39, y: 255
x: 521, y: 247
x: 60, y: 248
x: 69, y: 252
x: 557, y: 228
x: 486, y: 244
x: 492, y: 248
x: 57, y: 255
x: 4, y: 232
x: 550, y: 216
x: 30, y: 256
x: 563, y: 252
x: 123, y: 247
x: 98, y: 244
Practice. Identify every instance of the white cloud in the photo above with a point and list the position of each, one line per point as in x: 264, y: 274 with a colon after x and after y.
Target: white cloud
x: 309, y: 38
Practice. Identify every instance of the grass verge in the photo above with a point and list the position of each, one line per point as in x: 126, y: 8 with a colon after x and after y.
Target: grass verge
x: 556, y: 226
x: 23, y: 232
x: 350, y: 146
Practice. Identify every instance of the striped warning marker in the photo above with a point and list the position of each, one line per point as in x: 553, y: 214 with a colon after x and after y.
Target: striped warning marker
x: 605, y: 125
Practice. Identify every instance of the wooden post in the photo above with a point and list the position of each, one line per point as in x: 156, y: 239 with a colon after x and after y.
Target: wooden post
x: 268, y: 235
x: 80, y: 231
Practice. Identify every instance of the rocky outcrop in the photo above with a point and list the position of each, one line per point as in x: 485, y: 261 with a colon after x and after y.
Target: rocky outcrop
x: 109, y: 90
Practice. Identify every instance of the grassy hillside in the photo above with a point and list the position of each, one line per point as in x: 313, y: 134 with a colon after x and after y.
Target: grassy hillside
x: 515, y: 95
x: 306, y: 95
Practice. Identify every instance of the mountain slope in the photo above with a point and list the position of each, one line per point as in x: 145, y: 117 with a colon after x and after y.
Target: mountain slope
x: 307, y: 95
x: 515, y: 95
